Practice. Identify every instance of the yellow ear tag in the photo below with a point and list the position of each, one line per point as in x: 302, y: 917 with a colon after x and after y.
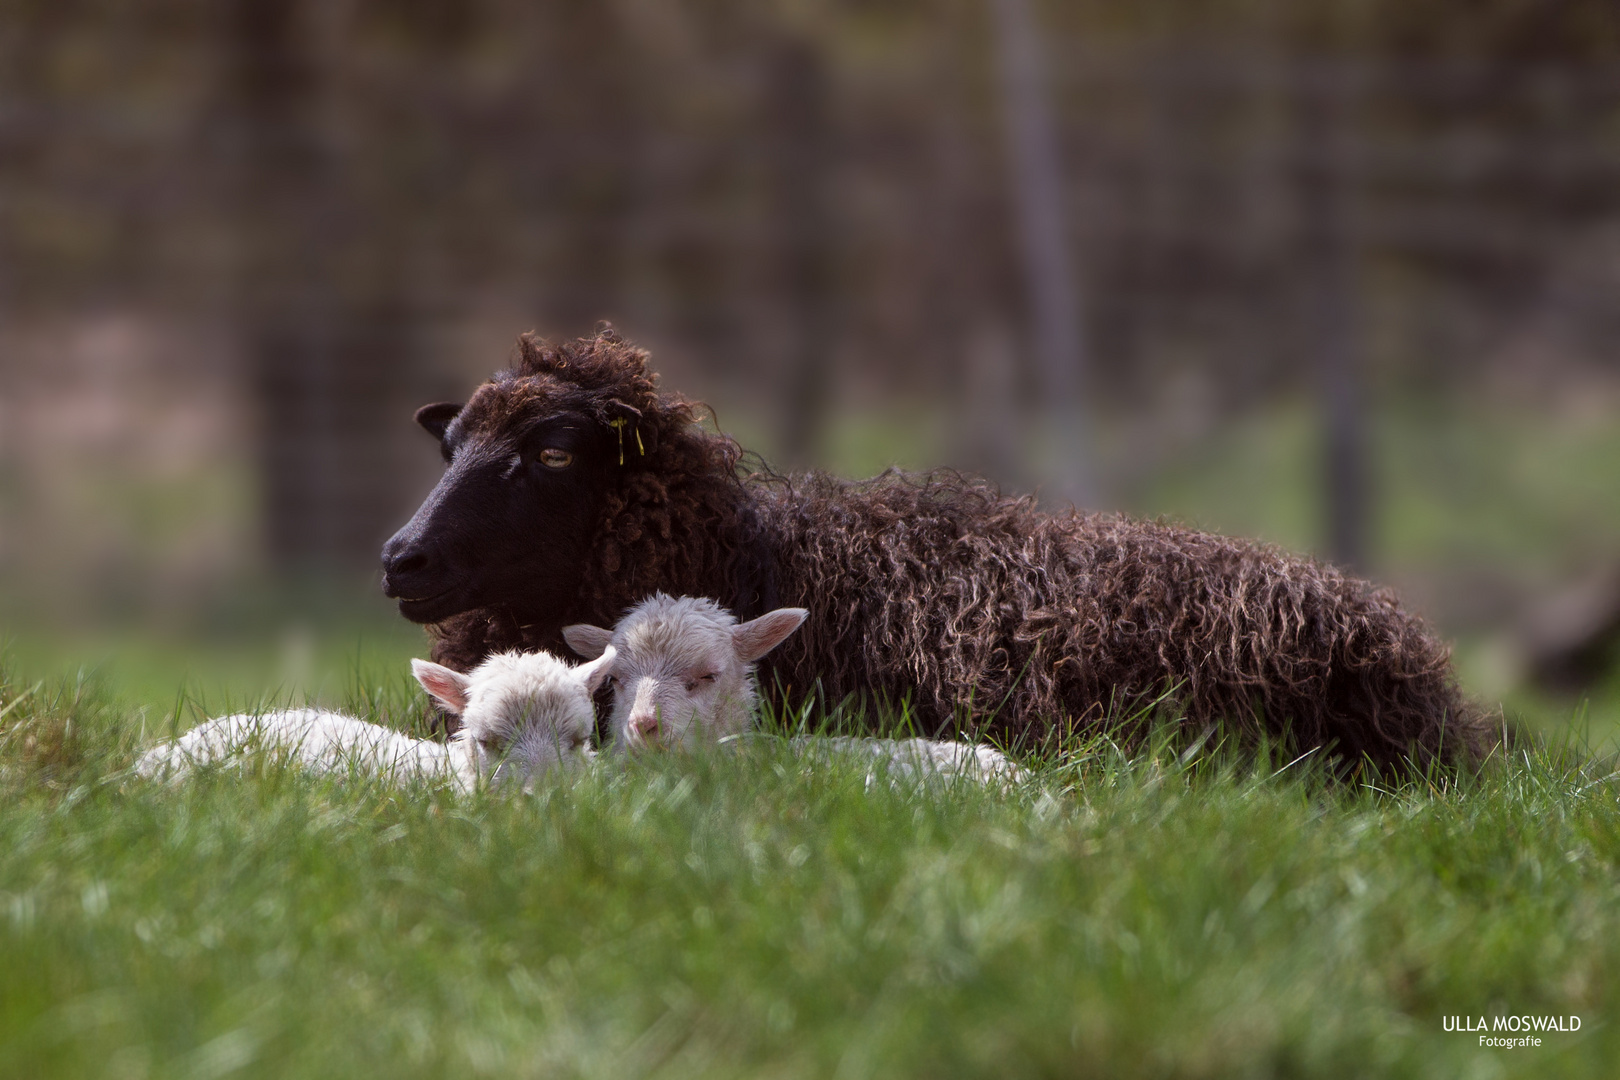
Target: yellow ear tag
x: 619, y: 424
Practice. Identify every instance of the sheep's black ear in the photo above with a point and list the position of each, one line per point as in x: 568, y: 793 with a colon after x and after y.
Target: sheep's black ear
x: 640, y: 438
x: 587, y: 640
x: 447, y: 686
x: 435, y: 418
x: 759, y: 636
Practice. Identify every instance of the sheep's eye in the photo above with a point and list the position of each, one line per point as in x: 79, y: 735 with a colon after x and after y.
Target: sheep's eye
x: 552, y: 458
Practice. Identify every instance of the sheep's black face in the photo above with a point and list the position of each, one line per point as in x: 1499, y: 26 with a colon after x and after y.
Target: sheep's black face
x: 511, y: 520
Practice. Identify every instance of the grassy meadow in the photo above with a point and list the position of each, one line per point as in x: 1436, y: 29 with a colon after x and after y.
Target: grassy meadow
x: 734, y: 914
x: 1116, y: 914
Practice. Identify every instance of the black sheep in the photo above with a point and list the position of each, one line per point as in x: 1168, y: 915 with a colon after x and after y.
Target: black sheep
x: 574, y: 489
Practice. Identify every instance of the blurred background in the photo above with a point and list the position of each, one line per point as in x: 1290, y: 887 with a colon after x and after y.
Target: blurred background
x: 1341, y: 274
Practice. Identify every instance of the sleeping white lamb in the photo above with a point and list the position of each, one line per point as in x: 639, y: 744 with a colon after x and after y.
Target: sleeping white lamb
x: 521, y: 714
x: 685, y: 676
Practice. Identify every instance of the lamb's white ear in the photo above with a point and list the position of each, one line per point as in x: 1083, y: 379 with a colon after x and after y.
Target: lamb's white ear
x: 757, y: 637
x: 587, y: 640
x: 448, y: 687
x: 597, y: 670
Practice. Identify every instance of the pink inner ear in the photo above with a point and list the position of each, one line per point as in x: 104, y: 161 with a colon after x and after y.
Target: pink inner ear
x: 756, y: 638
x: 587, y: 640
x: 596, y: 671
x: 449, y: 687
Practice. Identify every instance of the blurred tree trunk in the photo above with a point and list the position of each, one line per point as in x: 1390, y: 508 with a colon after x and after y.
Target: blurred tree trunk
x: 26, y: 54
x: 1054, y: 293
x: 585, y: 134
x: 323, y: 333
x: 799, y: 164
x: 1331, y: 302
x: 974, y: 341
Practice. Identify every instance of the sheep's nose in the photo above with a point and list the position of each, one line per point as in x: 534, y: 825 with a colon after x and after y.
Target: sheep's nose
x: 404, y: 555
x: 406, y: 562
x: 645, y: 725
x: 641, y: 725
x: 410, y: 568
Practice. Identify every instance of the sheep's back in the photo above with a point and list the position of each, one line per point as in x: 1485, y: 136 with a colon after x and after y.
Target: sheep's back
x: 989, y: 616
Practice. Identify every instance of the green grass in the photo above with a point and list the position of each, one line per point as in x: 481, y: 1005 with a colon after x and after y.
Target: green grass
x: 731, y: 915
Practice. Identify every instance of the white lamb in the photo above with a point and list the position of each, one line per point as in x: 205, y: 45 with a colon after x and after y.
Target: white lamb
x: 685, y: 669
x: 920, y: 758
x: 521, y: 714
x: 685, y: 676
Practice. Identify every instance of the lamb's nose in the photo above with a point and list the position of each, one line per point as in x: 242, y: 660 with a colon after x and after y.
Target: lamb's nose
x: 645, y: 725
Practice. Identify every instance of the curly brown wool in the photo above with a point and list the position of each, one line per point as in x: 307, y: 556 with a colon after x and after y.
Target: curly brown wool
x: 985, y: 615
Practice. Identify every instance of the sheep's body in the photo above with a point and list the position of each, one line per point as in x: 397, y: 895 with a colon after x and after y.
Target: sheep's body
x: 981, y: 607
x: 916, y: 759
x: 316, y: 740
x: 684, y: 676
x: 522, y: 713
x: 983, y: 613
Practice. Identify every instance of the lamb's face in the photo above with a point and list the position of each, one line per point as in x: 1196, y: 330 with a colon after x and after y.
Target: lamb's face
x: 679, y: 682
x: 684, y: 673
x: 521, y: 713
x: 523, y: 717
